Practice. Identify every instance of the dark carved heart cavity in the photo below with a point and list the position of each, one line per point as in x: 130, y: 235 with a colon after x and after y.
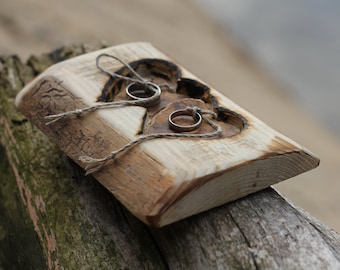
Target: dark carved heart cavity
x: 177, y: 93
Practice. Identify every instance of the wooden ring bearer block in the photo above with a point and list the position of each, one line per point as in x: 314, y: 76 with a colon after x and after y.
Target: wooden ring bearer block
x: 161, y: 180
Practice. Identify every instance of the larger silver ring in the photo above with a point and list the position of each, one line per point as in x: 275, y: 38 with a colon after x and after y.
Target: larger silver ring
x: 148, y: 94
x: 181, y: 128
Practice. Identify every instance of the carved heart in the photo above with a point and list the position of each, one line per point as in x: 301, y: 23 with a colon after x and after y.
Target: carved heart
x: 177, y: 93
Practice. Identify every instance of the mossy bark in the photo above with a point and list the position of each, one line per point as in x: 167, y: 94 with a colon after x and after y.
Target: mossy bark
x: 54, y: 217
x: 51, y: 215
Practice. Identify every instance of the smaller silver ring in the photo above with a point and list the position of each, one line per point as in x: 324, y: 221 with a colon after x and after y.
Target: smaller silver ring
x: 151, y: 90
x: 181, y: 128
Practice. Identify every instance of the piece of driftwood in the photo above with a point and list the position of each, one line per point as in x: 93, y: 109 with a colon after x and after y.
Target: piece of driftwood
x: 161, y: 180
x: 54, y: 217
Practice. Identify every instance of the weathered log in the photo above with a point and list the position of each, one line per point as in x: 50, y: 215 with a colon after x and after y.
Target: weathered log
x: 171, y: 176
x: 52, y: 216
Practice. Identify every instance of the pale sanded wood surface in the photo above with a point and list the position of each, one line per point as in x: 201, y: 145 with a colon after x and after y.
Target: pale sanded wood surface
x: 162, y: 180
x: 53, y: 217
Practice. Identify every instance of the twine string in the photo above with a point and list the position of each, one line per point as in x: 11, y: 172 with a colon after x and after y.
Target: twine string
x: 138, y: 102
x: 139, y: 79
x: 95, y: 164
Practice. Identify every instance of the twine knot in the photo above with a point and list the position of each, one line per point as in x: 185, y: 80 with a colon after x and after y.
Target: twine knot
x: 95, y: 164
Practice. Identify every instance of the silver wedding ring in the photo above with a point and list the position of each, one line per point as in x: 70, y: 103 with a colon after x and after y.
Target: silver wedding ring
x: 185, y: 128
x: 147, y: 93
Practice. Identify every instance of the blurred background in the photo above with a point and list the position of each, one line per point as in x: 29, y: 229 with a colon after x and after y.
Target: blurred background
x: 278, y: 59
x: 298, y: 42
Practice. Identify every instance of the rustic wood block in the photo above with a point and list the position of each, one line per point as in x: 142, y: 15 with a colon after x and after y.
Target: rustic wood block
x: 161, y: 180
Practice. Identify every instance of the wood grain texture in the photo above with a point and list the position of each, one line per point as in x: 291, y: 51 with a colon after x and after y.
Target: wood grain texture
x: 53, y: 217
x: 261, y: 231
x: 161, y: 180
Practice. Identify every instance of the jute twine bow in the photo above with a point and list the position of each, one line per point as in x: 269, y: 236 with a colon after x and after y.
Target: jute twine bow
x: 137, y: 102
x: 95, y: 164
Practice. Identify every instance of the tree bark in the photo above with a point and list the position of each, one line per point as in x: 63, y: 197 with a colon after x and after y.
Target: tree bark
x: 54, y: 217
